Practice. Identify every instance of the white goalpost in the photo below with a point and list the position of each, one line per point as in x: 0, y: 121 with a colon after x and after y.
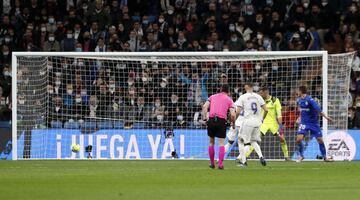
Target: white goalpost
x: 146, y: 105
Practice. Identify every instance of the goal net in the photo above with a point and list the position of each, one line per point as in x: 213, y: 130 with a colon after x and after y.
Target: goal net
x: 148, y: 105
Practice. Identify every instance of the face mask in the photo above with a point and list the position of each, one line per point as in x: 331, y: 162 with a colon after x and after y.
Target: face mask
x: 51, y: 91
x: 257, y: 67
x: 234, y: 39
x: 249, y: 12
x: 22, y: 102
x: 5, y: 53
x: 57, y: 108
x: 51, y: 39
x: 160, y: 117
x: 259, y: 21
x: 78, y: 100
x: 302, y: 29
x: 78, y: 49
x: 256, y: 88
x: 131, y: 92
x: 306, y: 5
x: 57, y: 83
x: 232, y: 27
x: 51, y: 20
x: 7, y: 73
x: 145, y: 22
x: 170, y: 12
x: 225, y: 49
x: 132, y: 101
x: 69, y: 36
x: 112, y: 87
x: 7, y: 40
x: 174, y: 101
x: 69, y: 92
x: 130, y: 83
x: 247, y: 1
x: 43, y: 29
x: 144, y: 79
x: 83, y: 93
x: 275, y: 68
x: 161, y: 20
x: 163, y: 84
x: 259, y: 36
x: 157, y: 105
x: 210, y: 46
x: 269, y: 2
x: 179, y: 117
x: 324, y: 3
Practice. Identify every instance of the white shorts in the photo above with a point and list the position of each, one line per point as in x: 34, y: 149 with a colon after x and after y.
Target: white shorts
x: 250, y: 134
x: 232, y: 133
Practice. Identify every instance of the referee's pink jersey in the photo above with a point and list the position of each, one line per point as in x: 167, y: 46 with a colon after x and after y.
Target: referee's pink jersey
x: 220, y: 103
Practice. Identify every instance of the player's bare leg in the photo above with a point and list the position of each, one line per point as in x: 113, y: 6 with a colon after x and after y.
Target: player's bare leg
x: 211, y: 150
x: 299, y: 139
x: 221, y: 153
x: 284, y: 146
x: 323, y: 149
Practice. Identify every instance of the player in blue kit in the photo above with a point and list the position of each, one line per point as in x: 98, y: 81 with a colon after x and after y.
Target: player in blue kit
x: 309, y: 121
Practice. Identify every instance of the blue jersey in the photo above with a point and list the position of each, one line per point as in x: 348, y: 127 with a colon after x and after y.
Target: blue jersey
x: 309, y: 111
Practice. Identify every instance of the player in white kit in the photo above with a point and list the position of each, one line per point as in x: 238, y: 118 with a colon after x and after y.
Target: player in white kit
x: 249, y: 105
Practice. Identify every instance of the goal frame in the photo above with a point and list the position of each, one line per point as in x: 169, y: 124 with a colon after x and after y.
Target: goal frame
x: 324, y: 55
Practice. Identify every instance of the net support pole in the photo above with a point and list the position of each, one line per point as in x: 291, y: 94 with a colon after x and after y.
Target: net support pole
x: 14, y: 106
x: 325, y: 90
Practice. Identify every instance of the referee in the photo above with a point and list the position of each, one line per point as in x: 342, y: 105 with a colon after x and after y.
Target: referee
x: 219, y: 105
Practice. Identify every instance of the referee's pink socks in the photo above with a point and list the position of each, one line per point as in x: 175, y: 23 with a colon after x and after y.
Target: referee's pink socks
x: 212, y: 155
x: 221, y: 155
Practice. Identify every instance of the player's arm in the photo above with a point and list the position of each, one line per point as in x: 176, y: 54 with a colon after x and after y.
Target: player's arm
x: 205, y: 110
x: 326, y: 117
x: 265, y: 110
x: 316, y: 106
x: 263, y: 106
x: 232, y: 117
x: 278, y: 111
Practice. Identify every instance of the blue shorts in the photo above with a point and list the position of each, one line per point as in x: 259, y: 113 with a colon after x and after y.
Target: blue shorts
x: 315, y: 130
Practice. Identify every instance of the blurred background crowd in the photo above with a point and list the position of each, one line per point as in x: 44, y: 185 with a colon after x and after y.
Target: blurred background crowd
x: 169, y: 25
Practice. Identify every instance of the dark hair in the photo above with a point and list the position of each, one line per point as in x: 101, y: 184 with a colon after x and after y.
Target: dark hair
x: 225, y: 88
x: 264, y: 88
x: 249, y: 84
x: 303, y: 89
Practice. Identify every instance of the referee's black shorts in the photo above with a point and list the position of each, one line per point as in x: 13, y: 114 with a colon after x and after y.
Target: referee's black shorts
x: 216, y: 127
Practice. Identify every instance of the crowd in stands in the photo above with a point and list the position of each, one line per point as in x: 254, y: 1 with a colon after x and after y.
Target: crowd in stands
x: 167, y: 25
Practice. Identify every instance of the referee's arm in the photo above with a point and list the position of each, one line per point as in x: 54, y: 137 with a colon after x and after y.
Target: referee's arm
x: 205, y: 110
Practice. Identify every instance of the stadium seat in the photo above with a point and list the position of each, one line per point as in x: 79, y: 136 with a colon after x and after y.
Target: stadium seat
x: 71, y: 125
x: 88, y: 125
x: 56, y: 124
x: 138, y: 125
x: 105, y: 125
x: 5, y: 124
x: 119, y: 125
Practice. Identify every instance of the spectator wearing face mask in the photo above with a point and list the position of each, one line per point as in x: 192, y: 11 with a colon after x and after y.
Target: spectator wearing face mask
x: 157, y: 112
x: 5, y: 80
x: 140, y: 111
x: 51, y: 44
x: 5, y: 56
x: 68, y: 44
x: 235, y: 43
x: 88, y: 44
x: 57, y: 111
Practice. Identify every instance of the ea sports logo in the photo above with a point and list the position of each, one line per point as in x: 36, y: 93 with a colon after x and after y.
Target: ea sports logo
x: 340, y: 146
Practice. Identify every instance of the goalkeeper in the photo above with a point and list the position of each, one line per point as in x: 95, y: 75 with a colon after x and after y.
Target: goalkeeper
x: 273, y: 121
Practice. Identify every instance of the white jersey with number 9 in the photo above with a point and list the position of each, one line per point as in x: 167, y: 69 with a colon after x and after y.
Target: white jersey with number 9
x: 251, y: 104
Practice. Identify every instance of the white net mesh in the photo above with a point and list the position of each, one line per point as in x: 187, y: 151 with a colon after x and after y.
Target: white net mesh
x: 142, y: 106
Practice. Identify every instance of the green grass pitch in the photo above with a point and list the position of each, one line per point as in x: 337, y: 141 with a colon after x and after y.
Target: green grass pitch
x: 172, y: 180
